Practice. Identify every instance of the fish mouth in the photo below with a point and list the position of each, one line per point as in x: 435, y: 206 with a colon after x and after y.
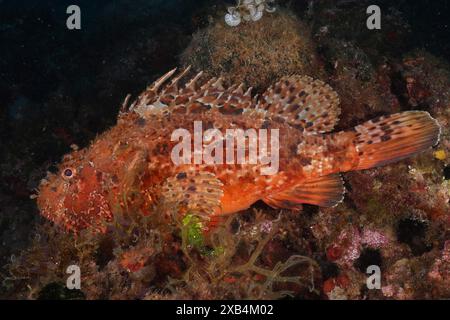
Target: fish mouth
x: 72, y: 209
x: 51, y: 204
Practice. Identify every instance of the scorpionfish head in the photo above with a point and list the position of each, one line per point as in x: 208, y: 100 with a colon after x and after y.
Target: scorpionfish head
x: 73, y: 198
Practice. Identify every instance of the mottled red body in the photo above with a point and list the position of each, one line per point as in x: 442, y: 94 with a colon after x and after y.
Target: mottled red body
x: 129, y: 168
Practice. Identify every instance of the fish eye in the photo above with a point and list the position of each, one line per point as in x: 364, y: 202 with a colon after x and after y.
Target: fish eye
x: 68, y: 173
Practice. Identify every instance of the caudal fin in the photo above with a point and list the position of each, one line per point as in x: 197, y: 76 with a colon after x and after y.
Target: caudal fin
x: 392, y: 138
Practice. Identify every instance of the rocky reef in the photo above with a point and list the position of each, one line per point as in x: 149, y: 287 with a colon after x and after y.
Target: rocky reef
x: 395, y: 217
x: 254, y: 53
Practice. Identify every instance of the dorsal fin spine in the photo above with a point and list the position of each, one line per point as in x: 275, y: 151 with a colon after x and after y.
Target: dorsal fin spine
x: 173, y: 86
x: 158, y: 83
x: 191, y: 84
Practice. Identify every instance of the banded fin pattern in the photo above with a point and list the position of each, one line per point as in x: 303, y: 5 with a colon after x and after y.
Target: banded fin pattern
x: 195, y: 191
x: 302, y: 101
x: 326, y: 191
x: 197, y: 95
x: 391, y: 138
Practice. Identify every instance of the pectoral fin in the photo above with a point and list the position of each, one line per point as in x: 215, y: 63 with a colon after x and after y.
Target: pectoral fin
x: 193, y: 191
x: 325, y: 191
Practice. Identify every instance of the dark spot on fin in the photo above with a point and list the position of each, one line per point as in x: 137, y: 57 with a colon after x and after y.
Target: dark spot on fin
x: 181, y: 175
x: 140, y: 122
x: 303, y: 101
x: 196, y: 191
x: 392, y: 138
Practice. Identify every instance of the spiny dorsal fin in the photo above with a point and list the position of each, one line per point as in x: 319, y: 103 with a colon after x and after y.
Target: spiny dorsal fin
x: 208, y: 84
x: 232, y: 100
x: 218, y: 84
x: 196, y: 96
x: 172, y: 88
x: 158, y: 83
x: 152, y: 94
x: 248, y: 93
x: 192, y: 84
x: 303, y: 101
x: 326, y: 191
x: 196, y: 191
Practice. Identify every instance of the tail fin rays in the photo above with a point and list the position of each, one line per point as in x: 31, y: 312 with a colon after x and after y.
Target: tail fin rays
x: 392, y: 138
